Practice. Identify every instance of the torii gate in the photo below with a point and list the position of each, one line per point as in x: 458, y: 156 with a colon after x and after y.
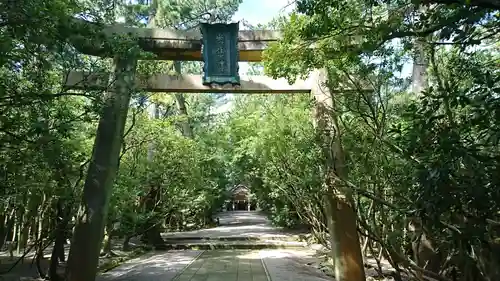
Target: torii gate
x: 168, y: 44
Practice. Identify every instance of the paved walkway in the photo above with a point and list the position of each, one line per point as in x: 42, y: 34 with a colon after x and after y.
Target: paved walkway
x: 223, y: 265
x: 215, y: 265
x: 237, y: 224
x: 155, y: 266
x: 218, y: 265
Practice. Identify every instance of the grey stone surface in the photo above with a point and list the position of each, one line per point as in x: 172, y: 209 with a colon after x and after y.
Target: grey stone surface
x: 224, y: 265
x: 159, y: 266
x: 238, y: 224
x: 291, y: 265
x: 230, y: 265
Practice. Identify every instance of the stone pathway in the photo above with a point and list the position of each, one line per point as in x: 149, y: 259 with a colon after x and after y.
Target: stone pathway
x: 221, y: 264
x: 237, y: 225
x: 215, y: 265
x: 228, y: 265
x: 154, y: 266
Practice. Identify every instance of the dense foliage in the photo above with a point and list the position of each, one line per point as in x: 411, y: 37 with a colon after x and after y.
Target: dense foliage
x: 47, y: 133
x: 422, y: 164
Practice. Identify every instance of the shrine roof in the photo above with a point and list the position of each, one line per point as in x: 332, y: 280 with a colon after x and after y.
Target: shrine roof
x: 238, y: 188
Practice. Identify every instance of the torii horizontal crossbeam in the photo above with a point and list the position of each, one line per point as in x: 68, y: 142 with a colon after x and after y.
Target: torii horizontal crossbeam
x: 165, y: 43
x: 190, y: 84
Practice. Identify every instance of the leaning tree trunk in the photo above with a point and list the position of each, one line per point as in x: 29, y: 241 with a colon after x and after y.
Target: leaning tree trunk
x: 345, y: 244
x: 86, y: 245
x: 152, y: 234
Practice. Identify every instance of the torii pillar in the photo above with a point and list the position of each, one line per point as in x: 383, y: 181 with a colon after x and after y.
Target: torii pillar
x: 341, y: 216
x: 92, y: 216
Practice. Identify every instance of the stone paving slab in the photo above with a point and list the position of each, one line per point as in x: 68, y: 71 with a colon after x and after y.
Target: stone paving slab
x: 225, y: 265
x: 290, y: 265
x: 154, y: 266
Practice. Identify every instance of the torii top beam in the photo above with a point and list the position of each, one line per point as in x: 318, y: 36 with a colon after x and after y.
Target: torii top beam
x: 170, y: 44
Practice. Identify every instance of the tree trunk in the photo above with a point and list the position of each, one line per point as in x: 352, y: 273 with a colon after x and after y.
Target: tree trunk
x: 20, y: 229
x: 420, y: 64
x: 187, y: 131
x: 9, y: 228
x: 126, y: 243
x: 3, y: 229
x: 346, y: 248
x: 106, y: 247
x: 33, y: 201
x: 62, y: 219
x: 86, y: 245
x: 152, y: 233
x: 13, y: 239
x: 419, y: 79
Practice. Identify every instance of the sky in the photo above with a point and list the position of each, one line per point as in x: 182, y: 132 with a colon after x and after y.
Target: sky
x: 255, y: 12
x: 261, y: 11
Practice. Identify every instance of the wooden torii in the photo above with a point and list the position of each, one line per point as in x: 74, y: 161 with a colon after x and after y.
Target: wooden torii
x: 168, y: 44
